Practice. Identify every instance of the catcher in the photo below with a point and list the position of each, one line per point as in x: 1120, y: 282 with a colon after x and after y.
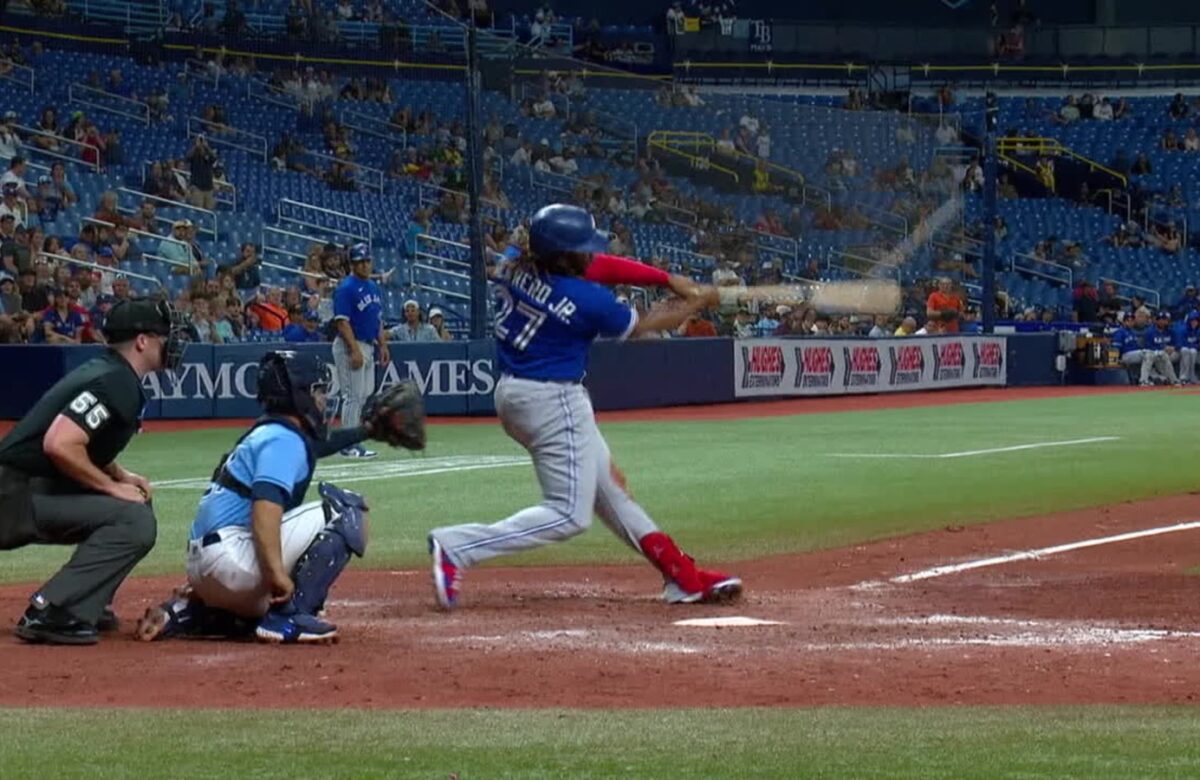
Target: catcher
x: 259, y: 559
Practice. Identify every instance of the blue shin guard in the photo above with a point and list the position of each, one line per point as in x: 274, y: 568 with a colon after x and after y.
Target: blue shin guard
x: 323, y: 561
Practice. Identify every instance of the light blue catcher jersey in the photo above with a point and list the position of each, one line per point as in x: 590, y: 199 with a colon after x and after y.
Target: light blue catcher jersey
x: 545, y: 324
x: 271, y: 453
x: 359, y: 301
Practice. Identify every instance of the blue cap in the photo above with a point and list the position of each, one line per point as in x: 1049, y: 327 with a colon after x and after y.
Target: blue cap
x: 312, y: 316
x: 1162, y: 314
x: 563, y: 228
x: 359, y: 253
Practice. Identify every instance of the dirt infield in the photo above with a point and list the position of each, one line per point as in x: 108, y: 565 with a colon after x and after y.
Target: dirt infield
x: 1112, y: 623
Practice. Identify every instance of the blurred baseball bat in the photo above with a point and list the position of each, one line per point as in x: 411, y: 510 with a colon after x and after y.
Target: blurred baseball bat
x: 869, y: 296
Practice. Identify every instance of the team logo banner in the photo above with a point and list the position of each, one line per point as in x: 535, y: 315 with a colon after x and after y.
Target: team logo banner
x: 774, y: 367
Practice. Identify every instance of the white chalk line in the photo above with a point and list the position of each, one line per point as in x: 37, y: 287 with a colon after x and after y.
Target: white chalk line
x: 1028, y: 555
x: 972, y: 453
x: 345, y: 473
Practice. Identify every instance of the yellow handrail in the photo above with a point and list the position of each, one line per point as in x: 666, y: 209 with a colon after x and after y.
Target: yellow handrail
x: 706, y: 141
x: 1052, y: 147
x: 657, y: 141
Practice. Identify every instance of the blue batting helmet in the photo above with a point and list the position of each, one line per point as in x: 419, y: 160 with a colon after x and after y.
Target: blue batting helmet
x: 288, y: 383
x: 563, y: 228
x: 359, y: 253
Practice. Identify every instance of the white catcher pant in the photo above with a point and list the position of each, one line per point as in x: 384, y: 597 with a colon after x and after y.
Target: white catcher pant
x: 355, y: 385
x: 555, y: 423
x: 226, y: 575
x: 1186, y: 356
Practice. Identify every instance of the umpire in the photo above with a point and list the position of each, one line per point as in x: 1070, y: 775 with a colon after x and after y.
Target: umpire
x: 60, y: 482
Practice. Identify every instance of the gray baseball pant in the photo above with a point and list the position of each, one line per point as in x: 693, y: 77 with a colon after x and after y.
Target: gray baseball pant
x: 555, y: 423
x: 354, y: 385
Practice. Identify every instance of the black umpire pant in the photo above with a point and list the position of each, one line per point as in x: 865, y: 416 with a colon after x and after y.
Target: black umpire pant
x: 112, y: 536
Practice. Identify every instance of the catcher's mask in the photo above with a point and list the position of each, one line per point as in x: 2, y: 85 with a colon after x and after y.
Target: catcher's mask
x: 295, y: 383
x: 129, y: 318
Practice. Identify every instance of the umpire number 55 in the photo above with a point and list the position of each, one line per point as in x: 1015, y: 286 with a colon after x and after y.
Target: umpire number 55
x: 94, y: 413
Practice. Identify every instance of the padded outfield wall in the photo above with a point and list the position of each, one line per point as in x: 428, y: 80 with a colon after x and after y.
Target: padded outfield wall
x: 459, y: 378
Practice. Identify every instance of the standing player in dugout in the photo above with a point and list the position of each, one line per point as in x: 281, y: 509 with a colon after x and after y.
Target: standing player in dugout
x: 60, y: 482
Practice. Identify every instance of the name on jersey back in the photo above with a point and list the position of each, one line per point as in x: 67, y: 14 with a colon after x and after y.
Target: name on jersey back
x: 539, y: 291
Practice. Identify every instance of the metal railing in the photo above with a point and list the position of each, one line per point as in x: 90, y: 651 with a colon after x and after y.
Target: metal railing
x: 132, y: 18
x: 785, y: 247
x: 330, y: 222
x: 1119, y: 200
x: 28, y: 132
x: 199, y: 70
x: 861, y: 265
x: 21, y: 75
x: 686, y: 258
x: 190, y: 264
x: 1154, y: 218
x: 224, y: 192
x: 1150, y: 293
x: 557, y: 182
x: 226, y: 135
x: 684, y: 218
x: 1052, y: 147
x: 365, y: 175
x: 274, y: 240
x: 662, y: 142
x: 458, y: 270
x: 115, y: 271
x: 116, y: 104
x: 429, y: 195
x: 261, y: 90
x: 619, y: 126
x: 373, y: 126
x: 1043, y: 269
x: 204, y: 220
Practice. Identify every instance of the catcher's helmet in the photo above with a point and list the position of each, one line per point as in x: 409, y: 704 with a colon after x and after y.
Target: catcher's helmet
x: 359, y: 253
x: 563, y: 228
x: 289, y: 382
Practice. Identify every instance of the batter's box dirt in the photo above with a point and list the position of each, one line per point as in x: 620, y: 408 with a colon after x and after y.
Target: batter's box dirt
x: 1113, y: 623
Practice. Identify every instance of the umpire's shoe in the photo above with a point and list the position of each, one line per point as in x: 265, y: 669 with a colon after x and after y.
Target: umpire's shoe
x: 53, y: 625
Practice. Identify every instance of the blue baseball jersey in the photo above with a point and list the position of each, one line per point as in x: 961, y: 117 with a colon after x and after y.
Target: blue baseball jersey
x: 546, y: 323
x: 1187, y: 337
x: 70, y: 325
x: 272, y: 454
x: 1128, y: 339
x: 1159, y: 339
x: 360, y: 302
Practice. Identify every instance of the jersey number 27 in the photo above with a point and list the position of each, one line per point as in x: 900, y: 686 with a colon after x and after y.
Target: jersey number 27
x: 517, y: 322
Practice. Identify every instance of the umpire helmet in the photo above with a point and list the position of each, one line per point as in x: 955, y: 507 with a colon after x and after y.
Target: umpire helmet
x: 290, y: 382
x: 562, y: 228
x: 129, y: 318
x: 360, y: 253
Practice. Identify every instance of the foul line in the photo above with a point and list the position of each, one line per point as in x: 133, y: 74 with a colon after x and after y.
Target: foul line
x: 970, y: 453
x: 941, y: 571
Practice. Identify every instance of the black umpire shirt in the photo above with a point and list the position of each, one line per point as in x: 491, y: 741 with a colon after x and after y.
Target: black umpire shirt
x: 103, y: 396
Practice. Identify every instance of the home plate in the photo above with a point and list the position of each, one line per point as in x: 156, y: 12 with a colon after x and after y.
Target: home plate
x: 735, y: 621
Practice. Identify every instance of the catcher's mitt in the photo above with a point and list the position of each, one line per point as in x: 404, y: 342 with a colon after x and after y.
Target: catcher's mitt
x: 397, y: 416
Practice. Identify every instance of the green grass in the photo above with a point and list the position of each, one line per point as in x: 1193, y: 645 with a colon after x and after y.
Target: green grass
x: 740, y: 489
x: 726, y: 490
x: 1094, y: 742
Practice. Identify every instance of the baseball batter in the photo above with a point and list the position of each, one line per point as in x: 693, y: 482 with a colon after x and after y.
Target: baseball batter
x: 549, y: 316
x: 357, y: 315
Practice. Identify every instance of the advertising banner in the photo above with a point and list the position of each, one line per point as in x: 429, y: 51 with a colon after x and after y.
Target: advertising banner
x: 780, y: 367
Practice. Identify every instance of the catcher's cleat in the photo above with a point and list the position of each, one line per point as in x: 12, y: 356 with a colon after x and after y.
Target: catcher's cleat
x: 171, y: 618
x: 717, y: 589
x: 446, y: 576
x: 298, y: 628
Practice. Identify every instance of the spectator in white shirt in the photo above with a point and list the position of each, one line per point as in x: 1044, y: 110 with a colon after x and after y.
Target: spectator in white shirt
x: 12, y: 204
x: 523, y: 155
x: 1191, y: 141
x: 750, y: 122
x: 763, y: 144
x: 675, y: 20
x: 1103, y: 110
x: 8, y: 137
x: 15, y: 175
x: 412, y: 329
x: 544, y: 108
x: 882, y: 328
x: 564, y: 163
x: 345, y: 11
x: 946, y: 134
